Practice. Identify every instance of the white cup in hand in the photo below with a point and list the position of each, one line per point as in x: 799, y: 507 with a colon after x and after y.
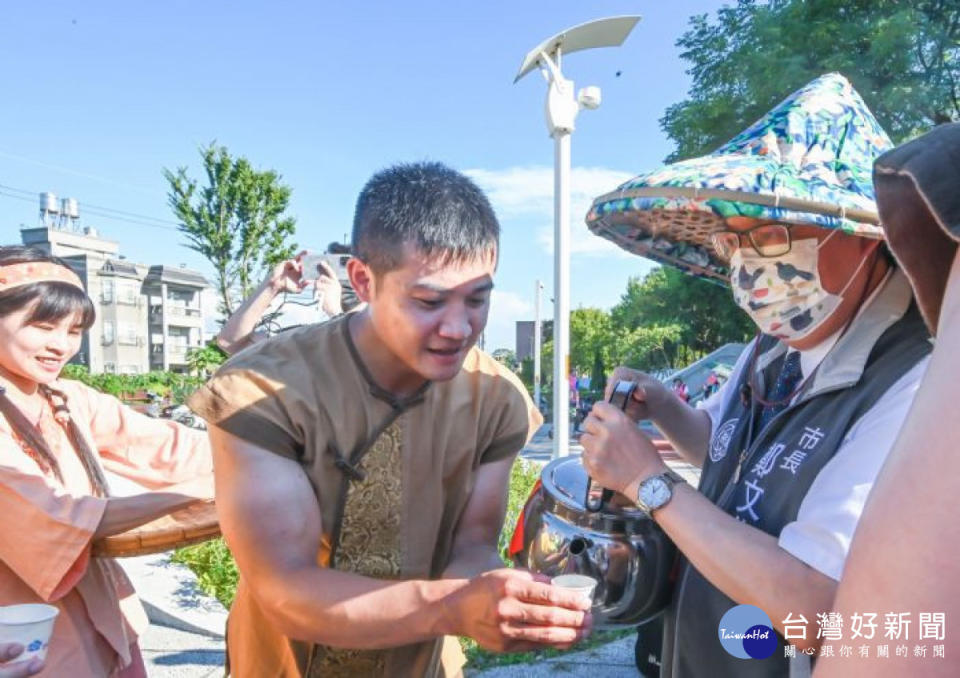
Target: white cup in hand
x: 579, y: 583
x: 29, y: 625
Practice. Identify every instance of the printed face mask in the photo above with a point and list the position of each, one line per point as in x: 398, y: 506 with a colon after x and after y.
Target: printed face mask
x: 783, y: 295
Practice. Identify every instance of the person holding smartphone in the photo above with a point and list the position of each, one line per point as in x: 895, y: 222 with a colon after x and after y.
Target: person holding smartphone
x: 291, y: 277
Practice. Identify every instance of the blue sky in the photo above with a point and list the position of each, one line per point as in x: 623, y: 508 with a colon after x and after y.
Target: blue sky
x: 99, y: 97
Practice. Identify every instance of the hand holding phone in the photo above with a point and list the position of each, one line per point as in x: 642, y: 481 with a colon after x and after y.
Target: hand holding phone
x: 338, y: 265
x: 311, y: 267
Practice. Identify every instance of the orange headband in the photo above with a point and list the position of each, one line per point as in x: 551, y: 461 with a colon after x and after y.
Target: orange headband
x: 15, y: 275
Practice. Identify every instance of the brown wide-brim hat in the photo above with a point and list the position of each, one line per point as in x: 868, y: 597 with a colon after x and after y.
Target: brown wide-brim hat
x: 918, y: 198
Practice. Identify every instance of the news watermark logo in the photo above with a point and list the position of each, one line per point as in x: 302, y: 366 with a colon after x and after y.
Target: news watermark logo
x: 746, y: 632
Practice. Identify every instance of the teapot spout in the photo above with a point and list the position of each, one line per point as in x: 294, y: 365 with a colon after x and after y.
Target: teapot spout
x: 578, y: 557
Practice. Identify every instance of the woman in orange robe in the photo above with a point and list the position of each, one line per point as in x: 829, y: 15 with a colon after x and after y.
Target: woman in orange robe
x: 56, y: 439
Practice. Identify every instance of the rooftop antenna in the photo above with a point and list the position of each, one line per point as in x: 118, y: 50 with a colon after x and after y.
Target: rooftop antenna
x: 562, y: 107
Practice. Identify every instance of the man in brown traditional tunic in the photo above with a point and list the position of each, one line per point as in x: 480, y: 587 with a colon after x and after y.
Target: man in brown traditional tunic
x: 362, y: 464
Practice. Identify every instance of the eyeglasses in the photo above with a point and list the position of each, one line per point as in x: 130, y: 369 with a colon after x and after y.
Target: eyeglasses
x: 769, y: 240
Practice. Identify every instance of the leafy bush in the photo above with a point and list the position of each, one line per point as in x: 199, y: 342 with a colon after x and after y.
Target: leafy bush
x: 214, y: 566
x: 523, y: 476
x: 177, y: 386
x: 205, y: 360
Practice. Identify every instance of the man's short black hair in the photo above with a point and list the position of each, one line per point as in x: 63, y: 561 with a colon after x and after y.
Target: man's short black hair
x: 428, y: 205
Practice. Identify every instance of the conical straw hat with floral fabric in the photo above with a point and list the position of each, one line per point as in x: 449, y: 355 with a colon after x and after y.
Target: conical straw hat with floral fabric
x: 807, y: 161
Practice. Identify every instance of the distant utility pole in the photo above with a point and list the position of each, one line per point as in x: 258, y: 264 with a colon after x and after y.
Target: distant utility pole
x: 536, y: 344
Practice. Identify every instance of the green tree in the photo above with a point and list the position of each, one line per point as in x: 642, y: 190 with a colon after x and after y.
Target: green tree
x: 177, y: 386
x: 236, y: 220
x: 526, y: 374
x: 671, y: 319
x: 506, y: 357
x: 589, y: 334
x: 903, y: 58
x: 203, y: 361
x: 663, y: 321
x: 598, y: 373
x: 651, y: 349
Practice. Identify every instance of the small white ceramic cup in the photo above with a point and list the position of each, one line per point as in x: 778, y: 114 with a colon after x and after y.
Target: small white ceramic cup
x: 29, y: 625
x: 579, y: 583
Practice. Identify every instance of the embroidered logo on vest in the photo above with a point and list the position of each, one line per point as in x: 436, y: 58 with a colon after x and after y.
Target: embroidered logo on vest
x: 721, y: 440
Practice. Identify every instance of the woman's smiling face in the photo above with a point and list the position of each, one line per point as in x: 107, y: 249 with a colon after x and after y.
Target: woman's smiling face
x: 37, y: 351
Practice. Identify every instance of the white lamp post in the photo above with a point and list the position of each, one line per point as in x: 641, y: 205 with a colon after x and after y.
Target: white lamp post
x: 562, y: 107
x: 536, y: 344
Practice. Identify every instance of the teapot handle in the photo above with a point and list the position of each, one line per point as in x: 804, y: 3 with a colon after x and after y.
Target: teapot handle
x: 598, y: 496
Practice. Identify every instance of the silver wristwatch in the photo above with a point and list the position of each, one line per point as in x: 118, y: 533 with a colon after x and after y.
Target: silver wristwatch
x: 656, y: 491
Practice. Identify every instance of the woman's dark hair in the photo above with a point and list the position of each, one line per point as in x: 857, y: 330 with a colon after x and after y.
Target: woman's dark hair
x: 47, y: 461
x: 52, y: 301
x: 437, y: 210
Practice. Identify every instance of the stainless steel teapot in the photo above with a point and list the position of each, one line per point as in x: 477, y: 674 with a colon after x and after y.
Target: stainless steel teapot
x: 571, y: 526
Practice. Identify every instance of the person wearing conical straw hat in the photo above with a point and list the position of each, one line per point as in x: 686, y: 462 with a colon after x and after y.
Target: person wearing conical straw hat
x: 790, y: 446
x: 903, y: 558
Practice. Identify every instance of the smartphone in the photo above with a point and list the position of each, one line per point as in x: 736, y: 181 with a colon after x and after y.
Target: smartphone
x: 338, y: 262
x: 311, y: 266
x: 312, y: 270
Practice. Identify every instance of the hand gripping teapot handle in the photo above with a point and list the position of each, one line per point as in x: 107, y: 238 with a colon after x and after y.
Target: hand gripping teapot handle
x: 597, y: 496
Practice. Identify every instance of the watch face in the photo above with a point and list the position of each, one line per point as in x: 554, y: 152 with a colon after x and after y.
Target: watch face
x: 655, y: 492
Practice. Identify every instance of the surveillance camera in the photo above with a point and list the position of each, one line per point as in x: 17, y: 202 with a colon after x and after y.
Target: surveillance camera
x: 589, y: 97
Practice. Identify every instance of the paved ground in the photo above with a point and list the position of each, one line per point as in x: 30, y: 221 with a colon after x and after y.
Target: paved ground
x: 613, y: 660
x: 171, y: 653
x: 185, y: 639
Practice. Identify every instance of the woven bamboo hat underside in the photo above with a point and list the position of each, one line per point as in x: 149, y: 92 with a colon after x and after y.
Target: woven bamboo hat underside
x: 808, y: 161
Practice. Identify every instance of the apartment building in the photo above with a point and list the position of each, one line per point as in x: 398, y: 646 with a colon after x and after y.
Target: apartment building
x: 147, y: 317
x: 175, y: 316
x: 122, y: 316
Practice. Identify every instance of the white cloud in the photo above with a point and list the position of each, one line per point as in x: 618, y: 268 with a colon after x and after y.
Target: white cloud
x: 527, y: 192
x: 509, y: 304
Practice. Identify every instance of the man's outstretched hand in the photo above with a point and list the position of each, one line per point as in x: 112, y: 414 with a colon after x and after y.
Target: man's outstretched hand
x: 513, y: 610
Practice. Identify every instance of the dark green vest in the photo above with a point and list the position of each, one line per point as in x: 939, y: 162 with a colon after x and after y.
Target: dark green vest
x: 778, y: 466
